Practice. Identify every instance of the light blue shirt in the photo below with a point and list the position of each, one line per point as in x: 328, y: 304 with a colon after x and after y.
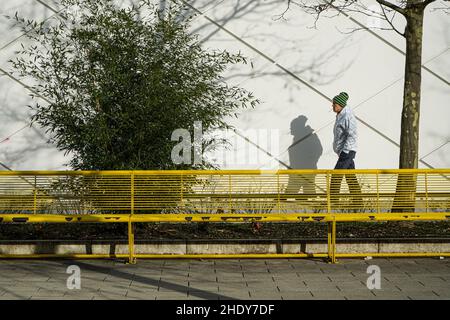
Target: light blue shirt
x: 345, y: 132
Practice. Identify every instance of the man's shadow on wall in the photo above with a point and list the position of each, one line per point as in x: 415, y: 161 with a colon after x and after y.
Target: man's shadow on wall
x: 304, y: 153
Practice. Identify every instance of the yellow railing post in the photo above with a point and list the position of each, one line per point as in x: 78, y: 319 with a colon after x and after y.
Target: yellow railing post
x: 83, y: 194
x: 181, y: 192
x: 35, y: 196
x: 328, y: 193
x: 329, y: 237
x: 229, y: 192
x: 333, y: 241
x: 330, y: 224
x: 426, y: 192
x: 278, y: 191
x: 378, y: 194
x: 131, y: 258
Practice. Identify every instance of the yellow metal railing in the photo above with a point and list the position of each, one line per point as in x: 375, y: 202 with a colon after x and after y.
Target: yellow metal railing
x: 225, y: 196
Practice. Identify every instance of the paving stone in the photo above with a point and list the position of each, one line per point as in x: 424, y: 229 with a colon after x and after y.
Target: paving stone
x: 313, y: 278
x: 295, y: 283
x: 285, y: 276
x: 210, y: 288
x: 357, y: 291
x: 53, y: 286
x: 32, y: 279
x: 141, y: 292
x: 420, y: 295
x: 53, y: 298
x: 47, y: 296
x: 15, y: 296
x: 261, y: 284
x: 80, y: 293
x: 21, y: 290
x: 61, y: 289
x: 172, y: 285
x: 108, y: 297
x: 99, y: 277
x: 306, y: 261
x: 322, y: 287
x: 359, y: 297
x: 319, y: 283
x: 142, y: 287
x: 301, y: 271
x: 265, y: 279
x: 327, y: 295
x: 141, y: 296
x: 299, y: 295
x: 225, y: 279
x: 5, y: 281
x: 231, y: 279
x: 391, y: 295
x: 423, y: 297
x: 171, y: 296
x: 228, y: 291
x: 156, y: 274
x: 118, y: 285
x: 200, y: 271
x: 233, y: 287
x: 444, y: 293
x: 236, y: 296
x: 290, y: 289
x: 166, y: 278
x: 346, y: 286
x: 437, y: 285
x: 411, y: 287
x: 202, y: 279
x: 343, y: 278
x: 204, y: 297
x: 265, y: 295
x: 121, y: 281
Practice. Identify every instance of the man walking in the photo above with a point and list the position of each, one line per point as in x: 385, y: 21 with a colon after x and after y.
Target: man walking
x: 344, y: 144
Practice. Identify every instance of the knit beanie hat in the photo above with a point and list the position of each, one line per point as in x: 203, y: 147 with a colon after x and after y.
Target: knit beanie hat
x: 341, y: 99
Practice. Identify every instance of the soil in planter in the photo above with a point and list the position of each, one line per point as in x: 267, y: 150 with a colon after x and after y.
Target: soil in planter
x: 92, y: 231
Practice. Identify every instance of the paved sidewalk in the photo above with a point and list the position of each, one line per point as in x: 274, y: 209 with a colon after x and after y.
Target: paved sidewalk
x: 226, y: 279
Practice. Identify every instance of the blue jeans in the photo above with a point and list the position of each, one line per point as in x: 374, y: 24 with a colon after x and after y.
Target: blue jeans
x: 346, y: 161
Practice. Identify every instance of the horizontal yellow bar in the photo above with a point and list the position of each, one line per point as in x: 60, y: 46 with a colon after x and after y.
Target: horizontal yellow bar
x: 63, y: 256
x: 393, y: 255
x: 235, y: 217
x: 228, y: 256
x: 219, y: 172
x: 166, y: 256
x: 233, y: 256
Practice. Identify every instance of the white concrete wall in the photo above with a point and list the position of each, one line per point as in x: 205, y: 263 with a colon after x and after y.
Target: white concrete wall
x: 328, y: 58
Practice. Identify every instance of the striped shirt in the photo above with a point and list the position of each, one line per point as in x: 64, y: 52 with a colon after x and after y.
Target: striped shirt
x: 345, y: 132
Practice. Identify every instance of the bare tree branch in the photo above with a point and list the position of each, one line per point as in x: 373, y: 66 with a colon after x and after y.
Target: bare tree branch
x: 392, y: 6
x: 390, y: 21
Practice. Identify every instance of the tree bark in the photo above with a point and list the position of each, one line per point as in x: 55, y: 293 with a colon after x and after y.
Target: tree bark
x: 404, y: 200
x: 409, y: 139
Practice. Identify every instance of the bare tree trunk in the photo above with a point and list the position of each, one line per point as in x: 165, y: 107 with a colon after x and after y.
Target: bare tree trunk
x: 404, y: 200
x: 409, y: 139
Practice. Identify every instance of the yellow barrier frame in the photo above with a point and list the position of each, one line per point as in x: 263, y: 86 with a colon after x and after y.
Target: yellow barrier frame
x: 230, y: 194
